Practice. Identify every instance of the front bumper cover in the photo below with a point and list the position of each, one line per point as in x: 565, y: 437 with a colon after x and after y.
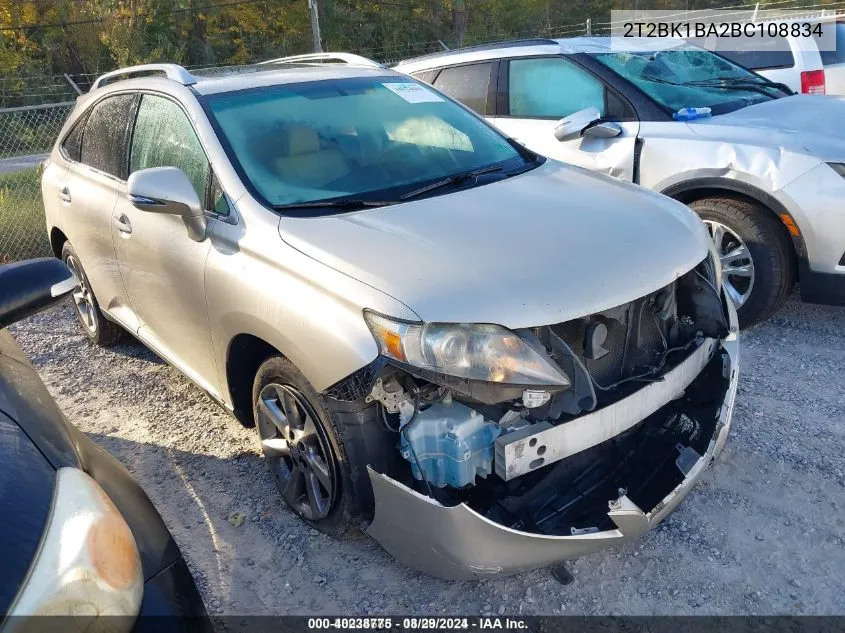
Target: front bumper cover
x: 457, y: 543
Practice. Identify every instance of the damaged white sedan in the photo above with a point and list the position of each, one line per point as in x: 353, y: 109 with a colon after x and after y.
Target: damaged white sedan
x: 488, y: 360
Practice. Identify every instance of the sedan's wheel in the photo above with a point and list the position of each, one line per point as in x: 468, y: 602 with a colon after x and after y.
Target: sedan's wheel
x: 305, y: 448
x: 100, y: 330
x: 737, y: 265
x: 758, y: 261
x: 297, y: 451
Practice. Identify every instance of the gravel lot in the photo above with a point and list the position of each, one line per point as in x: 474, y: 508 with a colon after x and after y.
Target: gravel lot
x: 764, y: 533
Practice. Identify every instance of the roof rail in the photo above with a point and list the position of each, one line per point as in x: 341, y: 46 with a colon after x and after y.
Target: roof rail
x: 534, y: 41
x: 171, y: 71
x: 325, y: 58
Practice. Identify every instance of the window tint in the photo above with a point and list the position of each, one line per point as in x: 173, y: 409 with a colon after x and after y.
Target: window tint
x: 468, y: 84
x: 838, y: 56
x: 72, y: 144
x: 164, y: 137
x: 551, y: 87
x: 104, y: 139
x: 757, y: 52
x: 426, y: 75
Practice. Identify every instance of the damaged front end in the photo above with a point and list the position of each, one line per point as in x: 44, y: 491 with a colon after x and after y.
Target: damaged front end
x: 565, y: 439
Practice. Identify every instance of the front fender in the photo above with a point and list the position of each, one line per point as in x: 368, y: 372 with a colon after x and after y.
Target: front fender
x: 258, y: 285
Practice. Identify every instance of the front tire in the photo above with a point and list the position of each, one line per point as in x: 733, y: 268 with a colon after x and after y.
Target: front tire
x: 99, y: 329
x: 758, y: 262
x: 303, y: 449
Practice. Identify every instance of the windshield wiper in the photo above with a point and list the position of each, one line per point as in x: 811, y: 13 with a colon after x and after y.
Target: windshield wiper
x: 340, y: 203
x: 451, y: 180
x: 745, y: 82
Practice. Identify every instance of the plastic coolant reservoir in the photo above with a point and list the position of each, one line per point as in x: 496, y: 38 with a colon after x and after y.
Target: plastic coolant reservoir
x: 453, y: 445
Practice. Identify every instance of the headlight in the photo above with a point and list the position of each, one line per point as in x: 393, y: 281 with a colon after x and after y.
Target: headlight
x: 484, y: 352
x: 88, y: 562
x: 839, y: 168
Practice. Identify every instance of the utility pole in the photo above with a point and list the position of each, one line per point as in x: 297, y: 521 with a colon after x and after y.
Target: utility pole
x: 315, y: 25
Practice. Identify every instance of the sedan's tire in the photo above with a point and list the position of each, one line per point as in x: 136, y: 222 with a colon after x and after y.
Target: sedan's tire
x: 757, y: 257
x: 303, y: 448
x: 99, y: 329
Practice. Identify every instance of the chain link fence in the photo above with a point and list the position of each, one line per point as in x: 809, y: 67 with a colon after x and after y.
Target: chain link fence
x: 27, y: 135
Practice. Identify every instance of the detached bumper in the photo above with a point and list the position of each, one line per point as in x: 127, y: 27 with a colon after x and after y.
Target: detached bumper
x: 458, y: 543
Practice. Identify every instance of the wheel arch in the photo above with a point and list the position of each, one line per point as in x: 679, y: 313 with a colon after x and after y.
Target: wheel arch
x: 244, y: 356
x: 698, y: 189
x: 57, y: 241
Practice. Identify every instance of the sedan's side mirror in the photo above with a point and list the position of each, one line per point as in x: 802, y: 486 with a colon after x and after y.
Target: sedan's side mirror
x: 31, y: 286
x: 605, y: 129
x: 572, y: 126
x: 167, y: 190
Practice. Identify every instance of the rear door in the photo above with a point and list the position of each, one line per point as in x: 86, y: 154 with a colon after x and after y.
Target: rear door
x: 162, y: 267
x: 537, y: 92
x: 95, y: 153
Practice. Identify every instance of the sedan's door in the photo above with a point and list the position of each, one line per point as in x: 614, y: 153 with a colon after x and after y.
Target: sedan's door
x: 540, y: 91
x: 163, y: 269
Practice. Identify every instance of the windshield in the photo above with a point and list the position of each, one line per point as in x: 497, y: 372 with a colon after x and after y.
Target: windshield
x: 691, y: 78
x: 367, y: 138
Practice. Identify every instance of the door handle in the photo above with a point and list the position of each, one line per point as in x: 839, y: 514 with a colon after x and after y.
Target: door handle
x: 122, y: 224
x: 64, y: 194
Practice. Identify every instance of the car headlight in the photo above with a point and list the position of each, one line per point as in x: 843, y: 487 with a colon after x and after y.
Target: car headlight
x: 88, y: 562
x: 839, y: 168
x: 475, y: 351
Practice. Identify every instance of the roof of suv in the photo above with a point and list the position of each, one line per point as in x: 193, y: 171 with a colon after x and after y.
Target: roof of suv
x: 225, y: 79
x: 522, y: 48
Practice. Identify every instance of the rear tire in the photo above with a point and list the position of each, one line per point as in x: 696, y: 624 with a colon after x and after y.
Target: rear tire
x: 303, y: 449
x: 744, y: 227
x: 99, y: 329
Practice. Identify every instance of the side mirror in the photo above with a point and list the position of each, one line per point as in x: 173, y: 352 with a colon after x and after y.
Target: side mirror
x: 605, y: 129
x: 572, y: 126
x: 31, y: 286
x: 167, y: 190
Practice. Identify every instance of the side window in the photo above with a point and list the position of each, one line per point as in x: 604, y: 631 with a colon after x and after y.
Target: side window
x: 104, y: 138
x: 468, y: 84
x: 164, y: 137
x: 72, y: 145
x: 218, y: 202
x: 551, y: 87
x: 759, y: 52
x: 426, y: 75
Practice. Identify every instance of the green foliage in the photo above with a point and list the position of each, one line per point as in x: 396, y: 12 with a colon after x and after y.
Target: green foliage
x: 22, y: 225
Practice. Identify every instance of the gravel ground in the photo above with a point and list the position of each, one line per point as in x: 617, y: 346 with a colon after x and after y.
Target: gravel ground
x: 764, y: 532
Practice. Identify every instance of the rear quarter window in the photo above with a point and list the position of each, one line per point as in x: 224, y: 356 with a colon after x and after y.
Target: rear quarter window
x: 761, y: 53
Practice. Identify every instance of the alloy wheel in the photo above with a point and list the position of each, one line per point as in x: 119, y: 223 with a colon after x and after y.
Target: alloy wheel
x: 737, y: 265
x: 82, y: 297
x: 297, y: 451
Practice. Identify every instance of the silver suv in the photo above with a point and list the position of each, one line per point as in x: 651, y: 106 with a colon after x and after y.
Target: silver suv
x: 489, y: 360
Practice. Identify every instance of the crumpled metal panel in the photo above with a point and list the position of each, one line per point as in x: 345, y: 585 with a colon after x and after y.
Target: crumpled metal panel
x: 457, y: 543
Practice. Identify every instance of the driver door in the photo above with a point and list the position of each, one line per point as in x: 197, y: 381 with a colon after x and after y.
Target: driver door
x: 540, y: 91
x: 163, y: 269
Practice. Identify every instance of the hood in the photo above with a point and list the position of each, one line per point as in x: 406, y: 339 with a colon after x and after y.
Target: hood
x: 543, y: 247
x: 809, y: 124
